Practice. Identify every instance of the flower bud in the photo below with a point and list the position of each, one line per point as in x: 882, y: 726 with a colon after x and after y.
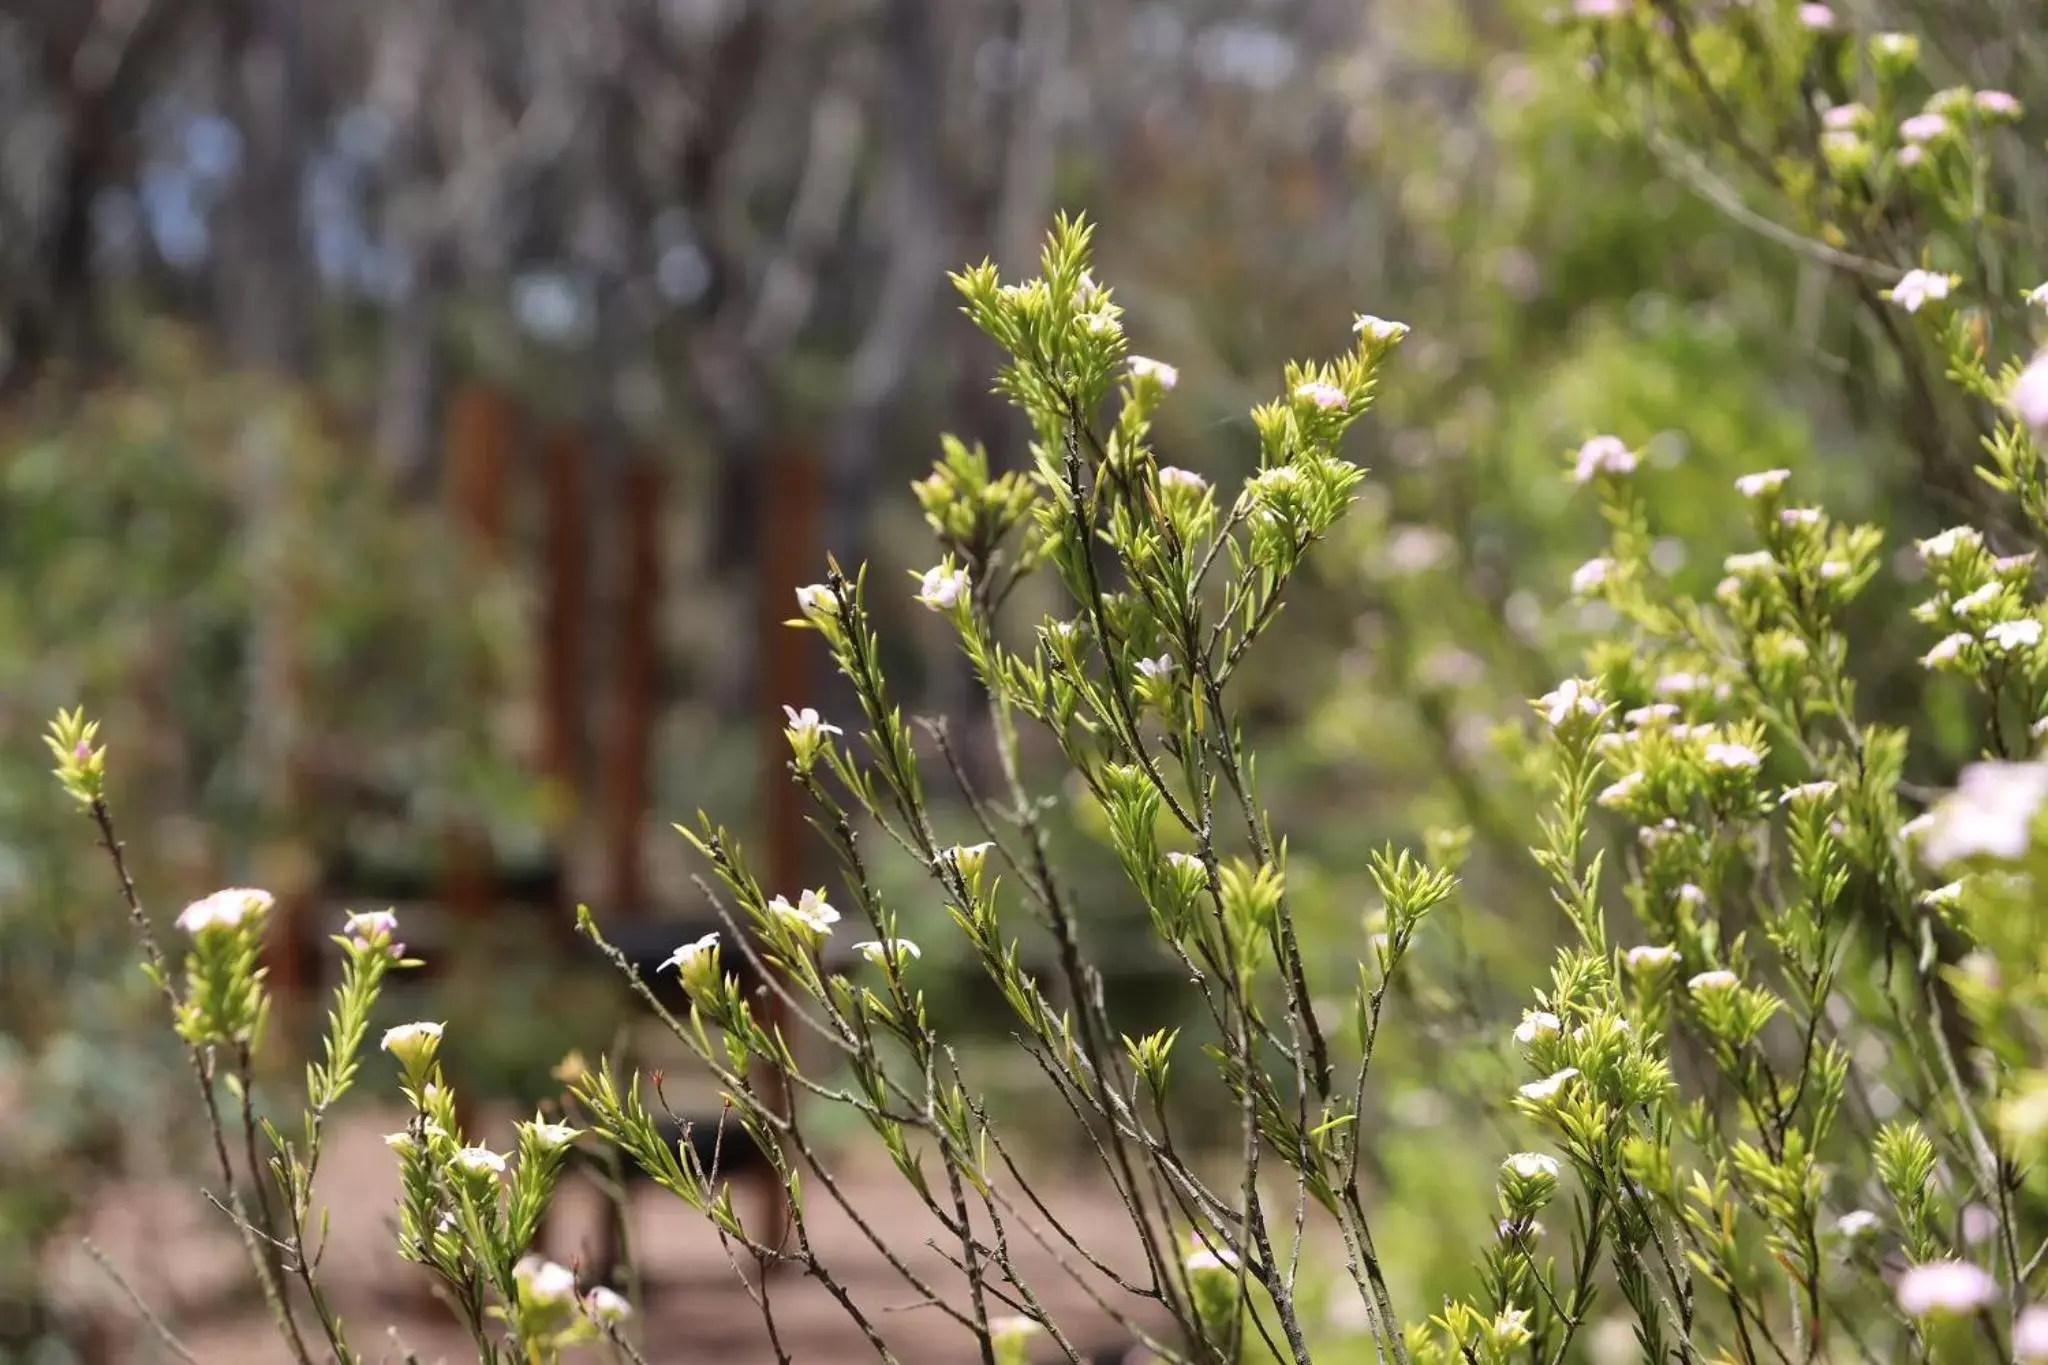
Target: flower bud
x: 1528, y: 1182
x: 415, y: 1046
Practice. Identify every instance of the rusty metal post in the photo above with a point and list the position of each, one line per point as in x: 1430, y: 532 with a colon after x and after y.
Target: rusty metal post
x: 564, y: 610
x: 787, y: 543
x: 629, y: 760
x: 480, y: 440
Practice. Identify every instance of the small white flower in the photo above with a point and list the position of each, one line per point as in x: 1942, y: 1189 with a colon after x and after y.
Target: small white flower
x: 1531, y: 1165
x: 1940, y: 547
x: 1991, y: 812
x: 1649, y: 957
x: 1158, y: 371
x: 1328, y: 397
x: 401, y: 1141
x: 1658, y: 713
x: 1678, y: 684
x: 227, y: 909
x: 1733, y: 757
x: 1946, y: 650
x: 1819, y: 18
x: 544, y: 1281
x: 1996, y: 104
x: 2029, y: 397
x: 408, y: 1037
x: 1845, y: 118
x: 1620, y: 793
x: 1713, y: 983
x: 1800, y: 516
x: 553, y: 1135
x: 1379, y: 329
x: 943, y: 587
x: 1942, y: 897
x: 1184, y: 862
x: 812, y: 911
x: 1550, y: 1086
x: 480, y: 1161
x: 807, y: 724
x: 1537, y: 1024
x: 686, y: 957
x: 1569, y: 698
x: 816, y: 601
x: 1896, y: 44
x: 1858, y: 1224
x: 2012, y: 635
x: 1762, y: 484
x: 1161, y: 667
x: 1807, y: 791
x: 1755, y: 564
x: 606, y: 1307
x: 1945, y: 1288
x: 968, y: 858
x: 1692, y: 895
x: 1588, y: 577
x: 2038, y: 296
x: 879, y: 951
x: 1171, y: 476
x: 1833, y: 569
x: 1973, y: 602
x: 1917, y: 287
x: 1603, y: 455
x: 1211, y: 1259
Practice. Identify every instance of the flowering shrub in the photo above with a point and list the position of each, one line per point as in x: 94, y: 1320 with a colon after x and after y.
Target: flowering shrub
x: 1783, y: 1096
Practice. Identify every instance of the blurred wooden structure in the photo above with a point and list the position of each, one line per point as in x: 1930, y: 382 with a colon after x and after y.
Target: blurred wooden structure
x: 491, y: 471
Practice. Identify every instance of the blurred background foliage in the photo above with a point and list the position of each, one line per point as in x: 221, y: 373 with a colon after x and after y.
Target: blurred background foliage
x: 250, y: 252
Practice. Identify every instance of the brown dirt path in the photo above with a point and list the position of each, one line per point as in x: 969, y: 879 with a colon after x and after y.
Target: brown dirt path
x: 180, y: 1256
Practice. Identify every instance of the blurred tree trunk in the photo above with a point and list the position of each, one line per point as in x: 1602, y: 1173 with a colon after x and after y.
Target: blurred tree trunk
x: 100, y: 69
x: 259, y: 269
x: 263, y: 293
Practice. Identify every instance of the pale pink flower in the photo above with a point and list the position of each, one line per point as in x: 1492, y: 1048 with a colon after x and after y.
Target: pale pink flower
x: 1603, y: 455
x: 2030, y: 395
x: 1158, y: 371
x: 2030, y: 1334
x: 1588, y: 577
x: 1945, y: 1289
x: 369, y: 926
x: 227, y: 909
x: 1923, y: 128
x: 1916, y: 287
x: 1996, y: 104
x: 943, y: 587
x: 1328, y: 397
